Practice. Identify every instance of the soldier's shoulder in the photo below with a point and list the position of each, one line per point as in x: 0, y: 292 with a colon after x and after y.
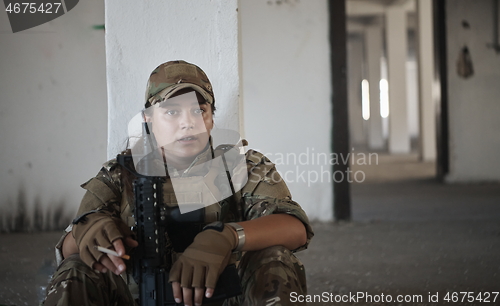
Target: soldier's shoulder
x: 111, y: 172
x: 254, y: 158
x: 113, y: 164
x: 110, y: 165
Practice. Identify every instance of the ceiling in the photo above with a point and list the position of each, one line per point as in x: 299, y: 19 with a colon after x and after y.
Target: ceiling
x: 362, y: 13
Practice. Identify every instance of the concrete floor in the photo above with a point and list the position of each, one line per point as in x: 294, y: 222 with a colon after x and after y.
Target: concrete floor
x: 410, y: 236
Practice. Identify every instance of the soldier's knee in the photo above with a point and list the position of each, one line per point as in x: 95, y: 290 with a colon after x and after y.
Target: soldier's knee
x: 71, y: 282
x: 275, y: 262
x: 273, y: 252
x: 74, y: 266
x: 277, y: 253
x: 269, y: 276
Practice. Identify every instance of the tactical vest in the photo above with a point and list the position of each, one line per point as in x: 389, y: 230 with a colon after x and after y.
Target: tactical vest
x: 191, y: 202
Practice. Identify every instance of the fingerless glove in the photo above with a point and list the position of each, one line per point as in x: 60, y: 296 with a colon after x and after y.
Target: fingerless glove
x: 98, y: 229
x: 204, y: 260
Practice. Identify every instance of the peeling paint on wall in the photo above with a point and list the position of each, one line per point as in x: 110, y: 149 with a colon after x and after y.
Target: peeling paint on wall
x: 20, y: 216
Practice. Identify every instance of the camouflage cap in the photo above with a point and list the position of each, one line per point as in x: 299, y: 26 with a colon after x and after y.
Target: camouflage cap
x: 170, y: 77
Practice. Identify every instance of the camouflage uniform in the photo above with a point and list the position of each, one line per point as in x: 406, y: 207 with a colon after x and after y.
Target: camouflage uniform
x: 267, y: 276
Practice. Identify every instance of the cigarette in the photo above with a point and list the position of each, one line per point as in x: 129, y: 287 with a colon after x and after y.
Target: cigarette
x: 108, y: 251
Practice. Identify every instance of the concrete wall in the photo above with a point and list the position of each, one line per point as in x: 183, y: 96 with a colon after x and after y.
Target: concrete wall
x: 425, y: 71
x: 140, y: 35
x: 286, y: 87
x: 474, y: 103
x: 54, y: 124
x: 52, y: 114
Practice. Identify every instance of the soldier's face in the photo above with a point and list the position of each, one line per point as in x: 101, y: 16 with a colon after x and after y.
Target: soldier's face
x: 182, y: 125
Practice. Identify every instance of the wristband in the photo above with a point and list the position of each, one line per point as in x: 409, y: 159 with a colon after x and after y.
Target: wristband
x: 241, y: 235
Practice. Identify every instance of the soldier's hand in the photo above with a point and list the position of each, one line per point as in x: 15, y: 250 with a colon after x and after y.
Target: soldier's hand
x: 186, y: 294
x: 102, y: 229
x: 201, y: 264
x: 114, y: 263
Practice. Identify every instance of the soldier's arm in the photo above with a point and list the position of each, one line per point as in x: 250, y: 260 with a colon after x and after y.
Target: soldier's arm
x: 271, y: 216
x: 97, y: 195
x: 275, y: 229
x: 103, y: 191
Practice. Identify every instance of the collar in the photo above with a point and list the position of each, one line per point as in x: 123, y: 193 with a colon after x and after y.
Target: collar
x: 199, y: 165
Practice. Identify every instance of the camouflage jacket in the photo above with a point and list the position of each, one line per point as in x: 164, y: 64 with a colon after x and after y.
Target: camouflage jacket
x: 265, y: 193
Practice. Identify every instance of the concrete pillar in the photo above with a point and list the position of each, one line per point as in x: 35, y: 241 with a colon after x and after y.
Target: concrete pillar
x: 287, y: 93
x: 140, y: 35
x: 426, y: 79
x: 355, y: 67
x: 399, y: 138
x: 373, y: 43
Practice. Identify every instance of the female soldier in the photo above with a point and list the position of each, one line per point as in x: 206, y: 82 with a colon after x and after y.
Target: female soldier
x: 264, y: 224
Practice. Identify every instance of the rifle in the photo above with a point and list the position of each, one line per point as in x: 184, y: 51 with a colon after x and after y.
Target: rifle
x: 152, y: 220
